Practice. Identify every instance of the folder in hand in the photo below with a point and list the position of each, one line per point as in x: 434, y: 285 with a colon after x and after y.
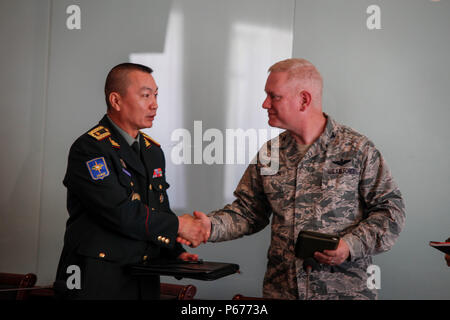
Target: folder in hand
x: 441, y: 246
x: 200, y: 270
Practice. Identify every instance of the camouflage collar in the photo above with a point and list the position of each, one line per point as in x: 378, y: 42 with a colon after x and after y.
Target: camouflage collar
x: 329, y: 132
x: 320, y: 145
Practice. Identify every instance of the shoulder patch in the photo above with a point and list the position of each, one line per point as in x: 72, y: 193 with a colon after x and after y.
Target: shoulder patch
x: 97, y: 168
x: 149, y: 141
x: 99, y: 133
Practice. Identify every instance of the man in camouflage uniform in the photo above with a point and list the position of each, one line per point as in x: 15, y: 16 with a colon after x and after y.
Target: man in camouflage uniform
x: 330, y: 179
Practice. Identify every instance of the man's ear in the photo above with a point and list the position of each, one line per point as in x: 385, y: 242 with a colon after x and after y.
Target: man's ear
x: 305, y: 100
x: 115, y: 100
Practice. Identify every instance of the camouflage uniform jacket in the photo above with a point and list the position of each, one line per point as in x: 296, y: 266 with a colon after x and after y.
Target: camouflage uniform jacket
x: 341, y: 186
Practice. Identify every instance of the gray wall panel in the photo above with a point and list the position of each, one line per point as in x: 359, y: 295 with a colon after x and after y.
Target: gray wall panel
x: 24, y: 52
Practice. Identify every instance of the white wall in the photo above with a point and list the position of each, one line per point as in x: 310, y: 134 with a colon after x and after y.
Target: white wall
x: 24, y: 35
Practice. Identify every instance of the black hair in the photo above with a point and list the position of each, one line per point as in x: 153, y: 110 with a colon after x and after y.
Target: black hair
x: 117, y: 81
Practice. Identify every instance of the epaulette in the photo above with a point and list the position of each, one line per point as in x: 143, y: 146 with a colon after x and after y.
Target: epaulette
x: 99, y: 133
x: 149, y: 141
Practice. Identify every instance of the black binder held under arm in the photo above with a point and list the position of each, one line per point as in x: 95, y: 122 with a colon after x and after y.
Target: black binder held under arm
x: 200, y: 270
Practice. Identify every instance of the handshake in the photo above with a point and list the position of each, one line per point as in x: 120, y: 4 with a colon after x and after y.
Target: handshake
x: 193, y: 230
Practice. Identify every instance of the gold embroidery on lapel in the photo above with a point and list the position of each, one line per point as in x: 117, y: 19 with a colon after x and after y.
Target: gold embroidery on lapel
x: 99, y: 133
x: 148, y: 141
x: 114, y: 144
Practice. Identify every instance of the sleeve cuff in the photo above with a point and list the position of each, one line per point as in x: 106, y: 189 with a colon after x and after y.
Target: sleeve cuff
x: 214, y: 231
x: 354, y: 245
x: 162, y: 229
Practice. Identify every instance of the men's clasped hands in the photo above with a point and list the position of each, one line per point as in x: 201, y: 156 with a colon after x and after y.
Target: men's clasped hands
x: 194, y: 230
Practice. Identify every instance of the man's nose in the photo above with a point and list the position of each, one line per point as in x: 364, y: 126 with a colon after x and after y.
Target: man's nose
x: 266, y: 104
x: 154, y: 104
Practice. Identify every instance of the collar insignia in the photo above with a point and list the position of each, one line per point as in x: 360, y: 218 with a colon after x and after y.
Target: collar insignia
x: 114, y: 144
x: 149, y: 141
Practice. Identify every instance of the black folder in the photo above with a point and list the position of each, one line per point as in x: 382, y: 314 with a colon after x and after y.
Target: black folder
x: 309, y: 242
x: 200, y: 270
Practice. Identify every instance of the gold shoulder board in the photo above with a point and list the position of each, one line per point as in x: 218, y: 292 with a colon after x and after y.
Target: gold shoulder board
x: 99, y: 133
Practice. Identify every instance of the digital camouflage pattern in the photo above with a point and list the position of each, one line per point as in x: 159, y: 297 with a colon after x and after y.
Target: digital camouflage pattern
x: 341, y: 186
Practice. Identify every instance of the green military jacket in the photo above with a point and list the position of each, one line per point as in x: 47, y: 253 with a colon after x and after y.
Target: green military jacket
x: 341, y: 186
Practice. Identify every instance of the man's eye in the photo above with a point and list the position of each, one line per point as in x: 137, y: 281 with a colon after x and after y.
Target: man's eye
x: 274, y: 97
x: 146, y: 95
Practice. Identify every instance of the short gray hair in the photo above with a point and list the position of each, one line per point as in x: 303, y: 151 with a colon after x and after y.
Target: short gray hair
x: 298, y: 68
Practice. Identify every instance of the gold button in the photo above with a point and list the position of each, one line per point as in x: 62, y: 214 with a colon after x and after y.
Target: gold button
x: 159, y: 238
x: 150, y: 187
x: 163, y: 239
x: 135, y: 196
x: 145, y: 258
x: 160, y: 186
x: 167, y: 241
x: 153, y: 209
x: 132, y: 184
x: 102, y: 255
